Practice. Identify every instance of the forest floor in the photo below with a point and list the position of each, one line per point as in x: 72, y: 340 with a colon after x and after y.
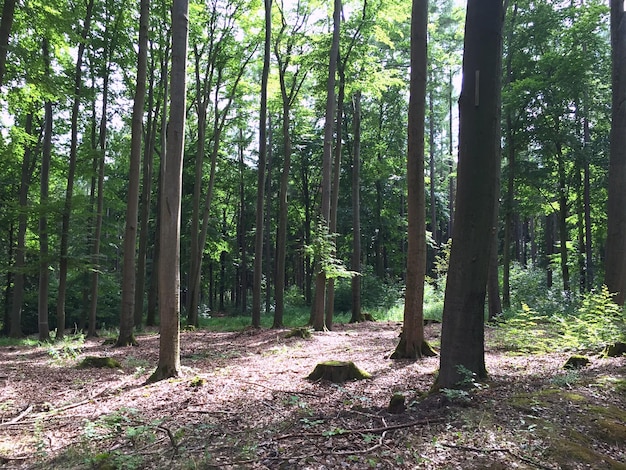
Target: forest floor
x: 244, y: 402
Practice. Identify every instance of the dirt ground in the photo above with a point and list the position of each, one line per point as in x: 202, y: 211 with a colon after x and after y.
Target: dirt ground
x: 244, y: 402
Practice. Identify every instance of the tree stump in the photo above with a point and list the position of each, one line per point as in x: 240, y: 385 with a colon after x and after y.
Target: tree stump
x: 100, y: 362
x: 396, y: 404
x: 337, y: 372
x: 576, y: 362
x: 615, y: 350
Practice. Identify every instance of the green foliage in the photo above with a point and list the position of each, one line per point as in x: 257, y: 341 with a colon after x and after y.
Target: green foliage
x: 323, y: 249
x: 68, y: 349
x: 376, y: 293
x: 597, y: 322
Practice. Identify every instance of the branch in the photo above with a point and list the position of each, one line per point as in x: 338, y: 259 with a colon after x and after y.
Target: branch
x: 506, y: 451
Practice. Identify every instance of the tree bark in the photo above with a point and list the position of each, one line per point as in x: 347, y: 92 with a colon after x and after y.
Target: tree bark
x: 462, y: 339
x: 44, y: 262
x: 169, y: 266
x: 6, y: 24
x: 127, y: 314
x: 615, y: 277
x: 319, y: 321
x: 357, y: 315
x: 258, y: 237
x: 412, y: 344
x: 69, y: 191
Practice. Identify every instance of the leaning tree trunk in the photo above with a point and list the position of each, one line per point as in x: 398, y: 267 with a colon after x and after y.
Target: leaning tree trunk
x: 615, y: 277
x: 462, y: 338
x: 412, y: 344
x: 127, y: 314
x: 169, y: 266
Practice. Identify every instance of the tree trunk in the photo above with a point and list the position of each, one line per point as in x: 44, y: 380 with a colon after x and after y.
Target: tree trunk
x: 563, y: 232
x: 319, y: 321
x: 451, y: 184
x: 462, y: 339
x: 169, y: 266
x: 412, y: 344
x: 15, y: 330
x: 615, y: 277
x: 127, y: 315
x: 434, y: 225
x: 44, y: 262
x: 549, y: 231
x: 69, y: 191
x: 6, y: 24
x: 357, y: 315
x: 258, y: 237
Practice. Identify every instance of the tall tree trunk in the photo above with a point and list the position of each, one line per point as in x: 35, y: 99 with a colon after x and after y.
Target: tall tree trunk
x: 589, y: 268
x: 357, y: 315
x: 169, y: 265
x: 127, y: 314
x: 334, y: 201
x: 268, y: 225
x: 6, y: 24
x: 462, y: 338
x: 69, y: 191
x: 20, y: 258
x: 412, y: 344
x: 549, y: 231
x: 319, y: 323
x: 434, y: 225
x: 563, y: 232
x: 44, y: 262
x: 451, y: 184
x: 145, y: 200
x: 258, y: 237
x: 615, y: 277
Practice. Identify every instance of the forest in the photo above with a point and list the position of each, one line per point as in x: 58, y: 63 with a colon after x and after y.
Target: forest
x: 307, y: 234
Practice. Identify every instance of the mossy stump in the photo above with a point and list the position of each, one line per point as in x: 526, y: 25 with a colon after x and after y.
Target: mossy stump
x: 396, y: 404
x: 303, y: 332
x: 337, y: 372
x: 576, y: 362
x: 615, y: 350
x: 100, y: 363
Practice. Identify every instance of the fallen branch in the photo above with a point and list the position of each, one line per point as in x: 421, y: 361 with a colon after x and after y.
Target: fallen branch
x: 381, y: 429
x: 503, y: 450
x: 289, y: 392
x: 171, y: 437
x: 19, y: 417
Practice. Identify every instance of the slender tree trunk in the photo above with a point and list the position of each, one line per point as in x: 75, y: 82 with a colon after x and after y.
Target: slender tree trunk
x: 563, y: 232
x: 357, y: 315
x: 549, y: 231
x: 258, y: 238
x: 268, y: 225
x: 319, y: 323
x: 6, y: 24
x: 589, y: 267
x: 169, y: 266
x: 69, y: 192
x: 462, y: 338
x: 127, y: 314
x: 15, y: 330
x: 451, y: 184
x: 44, y: 262
x: 615, y: 277
x: 434, y: 225
x: 412, y: 344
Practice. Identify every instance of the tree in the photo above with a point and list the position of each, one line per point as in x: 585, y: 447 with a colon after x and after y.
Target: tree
x: 8, y: 9
x: 258, y: 237
x: 462, y: 338
x: 317, y: 311
x: 412, y: 344
x: 69, y: 191
x: 615, y: 276
x: 127, y: 312
x: 169, y: 263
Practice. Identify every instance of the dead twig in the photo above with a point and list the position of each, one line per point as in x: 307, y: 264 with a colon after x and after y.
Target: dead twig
x: 503, y: 450
x: 171, y: 437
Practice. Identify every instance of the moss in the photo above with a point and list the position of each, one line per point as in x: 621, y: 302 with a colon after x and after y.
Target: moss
x: 337, y: 372
x: 576, y: 362
x: 100, y: 362
x: 302, y: 332
x: 197, y: 382
x: 397, y: 404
